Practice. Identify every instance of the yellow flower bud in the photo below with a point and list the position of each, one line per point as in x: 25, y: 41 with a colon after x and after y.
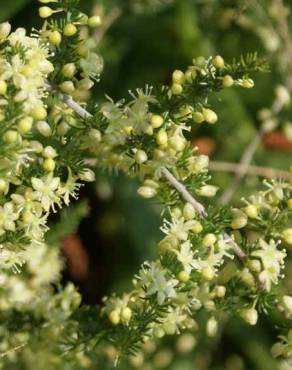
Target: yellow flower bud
x: 190, y: 75
x: 208, y: 191
x: 178, y: 77
x: 49, y: 165
x: 63, y: 128
x: 94, y: 21
x: 227, y: 81
x: 49, y: 152
x: 212, y: 327
x: 85, y: 84
x: 39, y: 113
x: 189, y: 211
x: 140, y: 156
x: 176, y: 89
x: 45, y: 12
x: 161, y: 137
x: 94, y: 135
x: 220, y: 291
x: 3, y: 186
x: 218, y: 62
x: 177, y: 143
x: 44, y: 128
x: 209, y: 240
x: 69, y: 70
x: 247, y: 84
x: 5, y: 29
x: 3, y: 87
x: 287, y: 236
x: 287, y: 304
x: 249, y: 315
x: 183, y: 276
x: 55, y: 38
x: 251, y: 211
x: 208, y: 273
x: 126, y: 314
x: 114, y: 317
x: 148, y: 130
x: 10, y: 136
x: 25, y: 125
x: 158, y: 332
x: 239, y: 222
x: 198, y: 117
x: 146, y: 192
x: 70, y: 30
x: 255, y: 265
x: 210, y: 116
x: 197, y: 228
x: 156, y: 121
x: 67, y: 87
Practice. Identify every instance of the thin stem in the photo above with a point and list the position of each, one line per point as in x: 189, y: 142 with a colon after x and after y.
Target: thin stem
x: 109, y: 20
x: 200, y: 208
x: 244, y: 162
x: 184, y: 192
x: 251, y: 170
x: 75, y: 106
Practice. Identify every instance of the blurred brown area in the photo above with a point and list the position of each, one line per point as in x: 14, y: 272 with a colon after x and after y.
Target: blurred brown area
x: 205, y: 145
x: 277, y: 141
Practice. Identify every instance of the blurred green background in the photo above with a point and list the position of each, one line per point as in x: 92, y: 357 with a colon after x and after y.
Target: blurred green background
x: 144, y: 45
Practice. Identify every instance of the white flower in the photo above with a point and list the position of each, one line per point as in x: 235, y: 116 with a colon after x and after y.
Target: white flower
x: 69, y: 189
x: 154, y: 277
x: 46, y: 190
x: 178, y: 228
x: 7, y: 218
x: 186, y: 257
x: 272, y: 260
